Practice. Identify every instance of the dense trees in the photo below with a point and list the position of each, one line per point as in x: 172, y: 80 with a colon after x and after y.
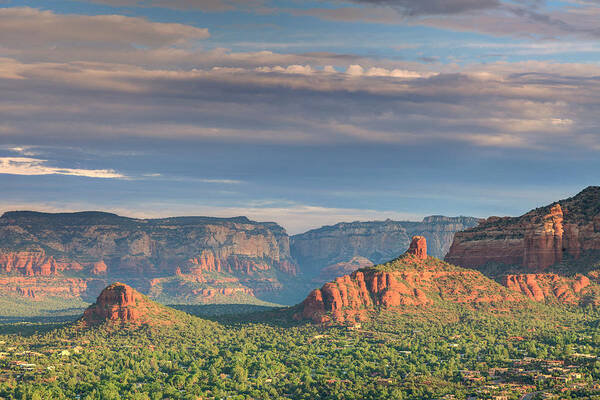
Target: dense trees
x: 393, y: 357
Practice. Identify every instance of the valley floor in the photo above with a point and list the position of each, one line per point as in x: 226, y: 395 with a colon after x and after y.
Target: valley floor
x: 262, y: 356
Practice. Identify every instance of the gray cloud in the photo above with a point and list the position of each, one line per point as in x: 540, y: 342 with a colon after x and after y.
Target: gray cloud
x: 28, y: 27
x: 104, y: 90
x: 31, y: 35
x: 434, y: 7
x: 496, y: 105
x: 204, y: 5
x: 521, y: 18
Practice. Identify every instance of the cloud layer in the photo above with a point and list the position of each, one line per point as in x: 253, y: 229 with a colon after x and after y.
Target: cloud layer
x: 533, y: 105
x: 324, y: 133
x: 432, y: 7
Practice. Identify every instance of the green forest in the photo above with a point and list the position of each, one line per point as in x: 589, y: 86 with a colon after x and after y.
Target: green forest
x: 262, y: 355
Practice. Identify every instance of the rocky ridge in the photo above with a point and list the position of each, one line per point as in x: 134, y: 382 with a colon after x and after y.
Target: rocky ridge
x: 184, y: 259
x: 408, y: 284
x: 536, y: 240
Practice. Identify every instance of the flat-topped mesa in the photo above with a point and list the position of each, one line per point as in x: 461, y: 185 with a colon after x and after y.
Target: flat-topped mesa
x: 418, y: 247
x: 117, y: 303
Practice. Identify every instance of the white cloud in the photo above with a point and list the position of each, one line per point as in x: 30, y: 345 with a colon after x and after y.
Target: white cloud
x: 34, y: 166
x: 355, y: 70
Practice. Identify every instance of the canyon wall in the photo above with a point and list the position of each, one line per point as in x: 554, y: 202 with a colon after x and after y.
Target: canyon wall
x: 195, y: 259
x: 90, y: 245
x: 536, y: 240
x: 377, y: 241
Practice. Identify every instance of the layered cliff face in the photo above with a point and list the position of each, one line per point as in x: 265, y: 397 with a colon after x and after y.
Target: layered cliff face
x: 409, y: 284
x: 377, y: 241
x: 534, y: 241
x: 91, y: 245
x: 40, y: 288
x: 547, y: 254
x: 120, y: 304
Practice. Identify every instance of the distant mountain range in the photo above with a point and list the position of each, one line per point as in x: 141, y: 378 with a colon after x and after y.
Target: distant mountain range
x: 549, y: 255
x: 192, y: 259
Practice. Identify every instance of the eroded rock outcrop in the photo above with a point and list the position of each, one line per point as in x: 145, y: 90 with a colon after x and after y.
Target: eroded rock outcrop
x: 208, y: 261
x: 40, y: 288
x: 543, y: 245
x: 28, y: 263
x: 535, y: 241
x: 418, y: 247
x: 342, y: 268
x: 119, y: 303
x: 549, y: 287
x: 409, y: 283
x: 99, y: 268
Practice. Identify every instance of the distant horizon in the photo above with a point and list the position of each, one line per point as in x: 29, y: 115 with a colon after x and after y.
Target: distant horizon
x: 3, y: 212
x: 294, y: 226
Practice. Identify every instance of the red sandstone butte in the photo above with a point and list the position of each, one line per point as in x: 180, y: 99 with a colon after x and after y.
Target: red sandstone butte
x: 117, y: 303
x: 402, y: 285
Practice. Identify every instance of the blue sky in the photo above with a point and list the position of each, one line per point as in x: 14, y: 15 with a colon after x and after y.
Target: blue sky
x: 301, y: 112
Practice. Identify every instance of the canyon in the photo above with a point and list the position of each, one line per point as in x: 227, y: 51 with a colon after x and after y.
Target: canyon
x: 377, y: 241
x: 192, y: 259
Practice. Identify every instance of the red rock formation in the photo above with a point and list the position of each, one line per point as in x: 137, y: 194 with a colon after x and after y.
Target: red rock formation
x: 544, y: 244
x: 118, y: 303
x: 418, y: 247
x: 141, y: 249
x: 342, y: 268
x: 28, y: 263
x: 99, y: 268
x: 210, y: 293
x: 536, y: 240
x: 39, y: 288
x: 209, y: 262
x: 548, y: 287
x: 408, y: 283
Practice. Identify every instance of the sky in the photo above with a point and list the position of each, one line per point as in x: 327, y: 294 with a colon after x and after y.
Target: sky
x: 305, y: 113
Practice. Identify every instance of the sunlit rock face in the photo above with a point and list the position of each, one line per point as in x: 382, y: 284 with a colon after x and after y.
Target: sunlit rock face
x: 411, y: 283
x: 535, y: 241
x: 418, y: 247
x: 548, y: 254
x: 117, y: 303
